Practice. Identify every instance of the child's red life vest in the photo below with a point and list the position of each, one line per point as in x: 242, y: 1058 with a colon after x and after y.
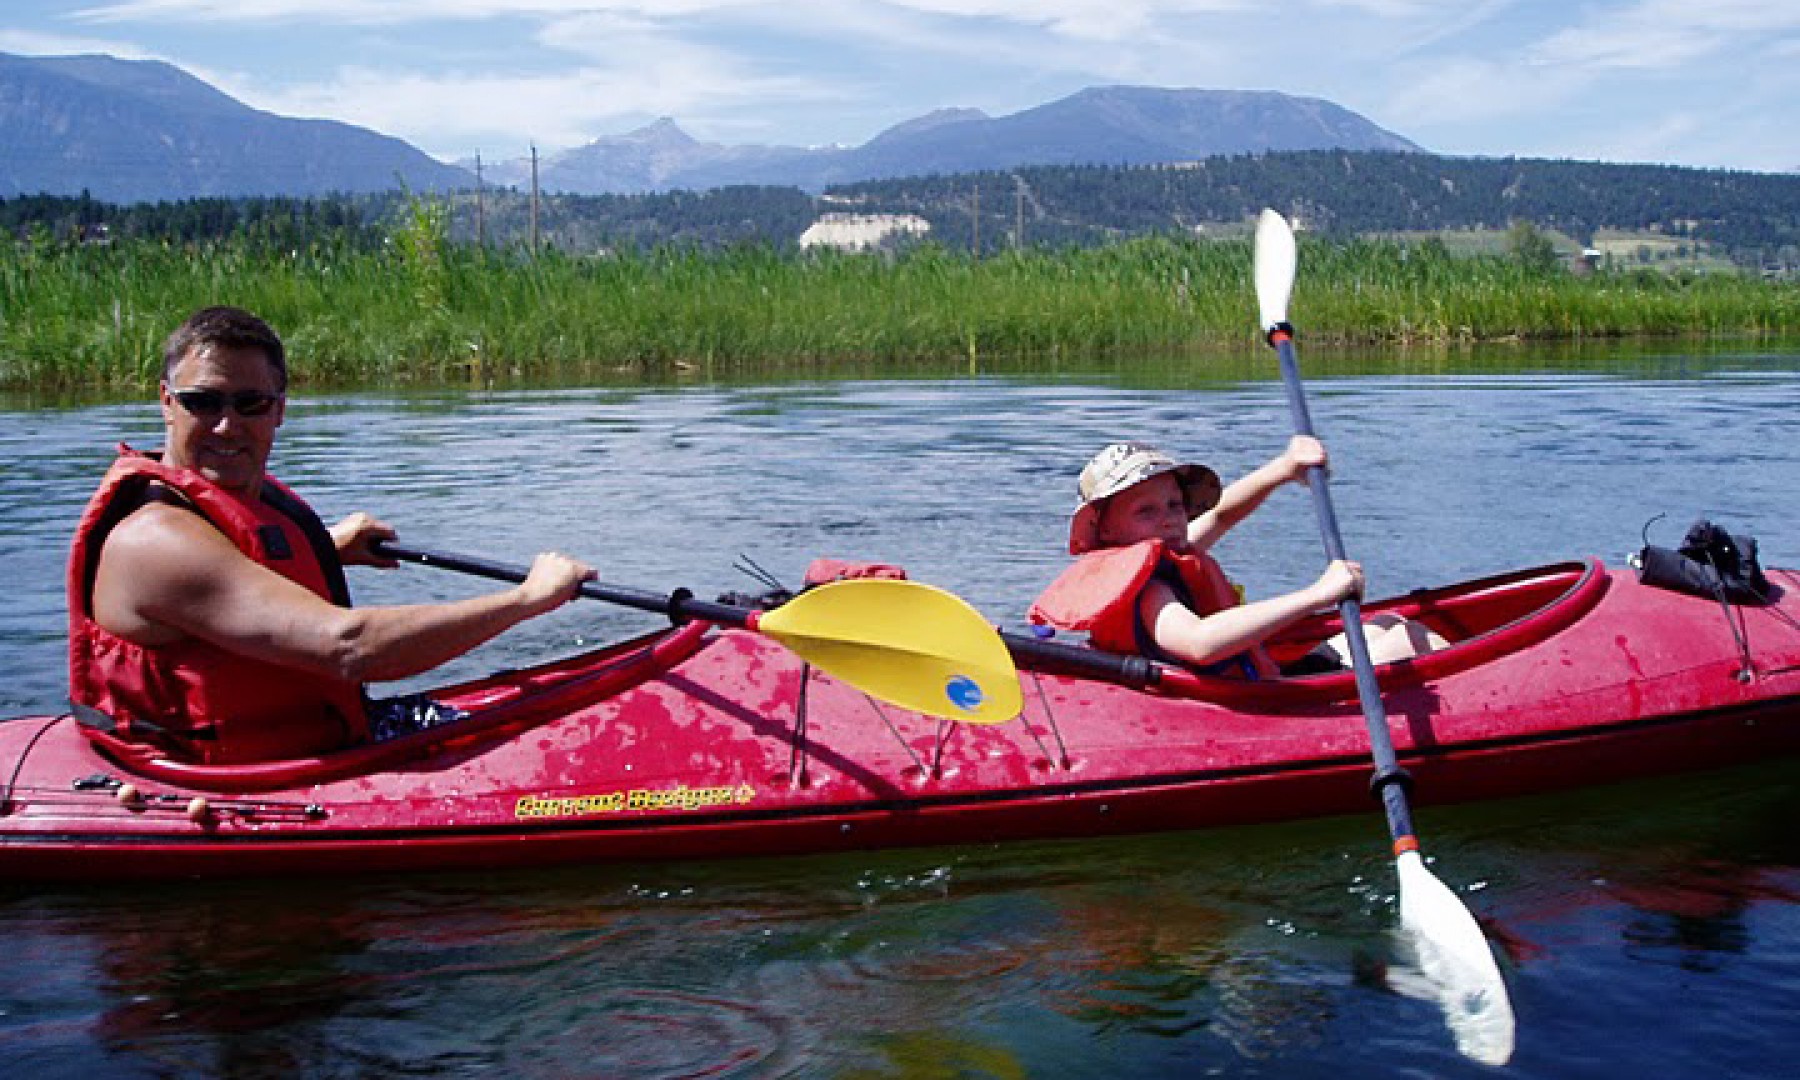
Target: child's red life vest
x: 191, y: 698
x: 824, y: 571
x: 1098, y: 594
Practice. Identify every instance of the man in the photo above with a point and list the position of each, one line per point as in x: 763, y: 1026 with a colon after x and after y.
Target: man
x: 208, y: 614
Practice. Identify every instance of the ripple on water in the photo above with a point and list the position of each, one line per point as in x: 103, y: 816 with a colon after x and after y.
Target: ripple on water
x: 648, y: 1032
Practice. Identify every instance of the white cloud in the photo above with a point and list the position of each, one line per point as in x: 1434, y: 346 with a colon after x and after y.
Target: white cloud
x: 1649, y: 47
x: 367, y: 12
x: 31, y: 43
x: 444, y: 116
x: 1650, y: 142
x: 1083, y: 20
x: 1664, y: 34
x: 1099, y: 18
x: 451, y: 117
x: 1466, y: 91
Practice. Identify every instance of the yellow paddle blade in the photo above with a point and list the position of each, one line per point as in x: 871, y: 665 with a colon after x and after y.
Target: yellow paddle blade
x: 908, y: 644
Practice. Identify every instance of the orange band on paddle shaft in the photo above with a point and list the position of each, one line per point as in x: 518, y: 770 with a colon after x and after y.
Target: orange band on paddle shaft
x: 1404, y: 844
x: 1280, y: 334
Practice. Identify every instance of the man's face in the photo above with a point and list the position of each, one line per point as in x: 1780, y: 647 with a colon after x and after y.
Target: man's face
x: 211, y: 433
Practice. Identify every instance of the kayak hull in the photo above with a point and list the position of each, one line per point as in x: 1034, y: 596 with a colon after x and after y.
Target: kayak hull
x: 699, y: 743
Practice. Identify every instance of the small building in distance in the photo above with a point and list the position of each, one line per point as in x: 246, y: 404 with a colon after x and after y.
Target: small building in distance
x: 854, y: 232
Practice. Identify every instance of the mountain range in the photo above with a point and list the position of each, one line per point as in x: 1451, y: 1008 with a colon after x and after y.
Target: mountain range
x: 144, y: 131
x: 1113, y: 125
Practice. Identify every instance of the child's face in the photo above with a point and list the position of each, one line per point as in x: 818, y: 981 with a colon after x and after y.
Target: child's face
x: 1151, y: 510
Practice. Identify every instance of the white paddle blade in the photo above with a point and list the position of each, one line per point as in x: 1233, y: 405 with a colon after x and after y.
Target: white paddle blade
x: 1454, y: 957
x: 1275, y: 260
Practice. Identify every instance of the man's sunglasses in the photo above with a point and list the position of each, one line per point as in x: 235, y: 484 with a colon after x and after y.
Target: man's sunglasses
x: 209, y: 404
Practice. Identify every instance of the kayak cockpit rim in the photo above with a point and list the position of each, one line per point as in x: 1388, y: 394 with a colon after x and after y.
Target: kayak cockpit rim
x: 503, y: 704
x: 1485, y: 619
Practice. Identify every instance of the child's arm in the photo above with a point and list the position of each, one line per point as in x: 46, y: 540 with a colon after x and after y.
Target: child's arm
x: 1248, y: 492
x: 1186, y: 635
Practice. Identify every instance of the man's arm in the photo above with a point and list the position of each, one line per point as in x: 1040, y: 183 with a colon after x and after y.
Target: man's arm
x: 166, y: 574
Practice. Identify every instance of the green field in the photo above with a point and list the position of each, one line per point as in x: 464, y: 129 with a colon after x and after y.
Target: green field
x: 93, y: 316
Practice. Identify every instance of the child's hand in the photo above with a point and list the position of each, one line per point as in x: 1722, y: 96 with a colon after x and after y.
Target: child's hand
x: 1340, y: 581
x: 1303, y: 452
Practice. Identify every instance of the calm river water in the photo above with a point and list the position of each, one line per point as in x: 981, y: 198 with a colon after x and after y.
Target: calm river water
x: 1651, y: 930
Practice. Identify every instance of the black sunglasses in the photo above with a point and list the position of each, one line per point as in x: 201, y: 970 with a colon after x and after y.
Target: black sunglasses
x: 209, y: 404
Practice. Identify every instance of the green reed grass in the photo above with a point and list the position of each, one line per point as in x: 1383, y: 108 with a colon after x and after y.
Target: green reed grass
x: 94, y: 317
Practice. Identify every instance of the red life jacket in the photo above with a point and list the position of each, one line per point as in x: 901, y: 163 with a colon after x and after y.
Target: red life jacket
x: 823, y: 571
x: 191, y: 698
x: 1099, y: 594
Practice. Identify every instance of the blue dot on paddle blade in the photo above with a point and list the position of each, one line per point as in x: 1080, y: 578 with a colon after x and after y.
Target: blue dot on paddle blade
x: 965, y: 693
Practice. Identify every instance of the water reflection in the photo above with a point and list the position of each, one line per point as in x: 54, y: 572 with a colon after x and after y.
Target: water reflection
x: 240, y: 983
x: 1246, y: 951
x: 1247, y: 361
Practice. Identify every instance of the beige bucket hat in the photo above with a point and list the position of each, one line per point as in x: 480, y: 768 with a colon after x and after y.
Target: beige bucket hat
x: 1123, y: 465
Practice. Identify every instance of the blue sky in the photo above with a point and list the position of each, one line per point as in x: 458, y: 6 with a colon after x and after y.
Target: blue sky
x: 1711, y: 83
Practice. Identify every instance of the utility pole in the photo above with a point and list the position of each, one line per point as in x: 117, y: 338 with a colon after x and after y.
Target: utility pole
x: 1019, y: 213
x: 480, y: 207
x: 977, y: 221
x: 534, y: 201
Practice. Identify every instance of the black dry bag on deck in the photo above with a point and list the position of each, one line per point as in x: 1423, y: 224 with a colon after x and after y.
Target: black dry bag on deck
x: 1710, y: 562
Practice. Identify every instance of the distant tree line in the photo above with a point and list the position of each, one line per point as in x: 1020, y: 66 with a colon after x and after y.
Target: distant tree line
x: 276, y: 223
x: 1749, y: 215
x: 1753, y: 218
x: 501, y: 218
x: 718, y: 218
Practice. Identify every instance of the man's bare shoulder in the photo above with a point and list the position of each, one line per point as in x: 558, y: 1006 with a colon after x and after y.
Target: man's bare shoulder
x: 161, y: 535
x: 158, y: 559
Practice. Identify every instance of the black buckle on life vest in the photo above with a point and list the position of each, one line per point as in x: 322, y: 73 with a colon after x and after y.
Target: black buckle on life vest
x: 274, y: 542
x: 104, y: 722
x: 88, y: 716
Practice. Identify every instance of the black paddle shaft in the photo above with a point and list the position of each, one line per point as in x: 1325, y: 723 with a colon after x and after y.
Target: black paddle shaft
x: 1390, y: 779
x: 679, y: 606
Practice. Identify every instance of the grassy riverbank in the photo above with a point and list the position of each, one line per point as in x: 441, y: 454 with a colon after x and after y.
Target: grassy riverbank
x: 94, y: 316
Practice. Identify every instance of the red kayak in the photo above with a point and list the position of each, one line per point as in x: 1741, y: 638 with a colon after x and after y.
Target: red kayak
x: 704, y: 742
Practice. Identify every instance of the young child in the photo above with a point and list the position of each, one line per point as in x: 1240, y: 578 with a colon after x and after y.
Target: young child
x: 1145, y: 584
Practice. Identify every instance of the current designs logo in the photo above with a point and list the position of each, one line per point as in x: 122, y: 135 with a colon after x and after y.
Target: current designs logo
x: 680, y: 797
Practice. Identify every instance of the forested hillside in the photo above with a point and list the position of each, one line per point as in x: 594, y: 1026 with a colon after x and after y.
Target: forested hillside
x: 278, y: 224
x: 572, y: 223
x: 1751, y: 215
x: 1751, y: 218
